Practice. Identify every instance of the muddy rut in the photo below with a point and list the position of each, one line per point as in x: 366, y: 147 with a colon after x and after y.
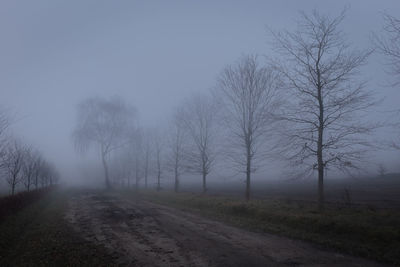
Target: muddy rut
x: 140, y: 233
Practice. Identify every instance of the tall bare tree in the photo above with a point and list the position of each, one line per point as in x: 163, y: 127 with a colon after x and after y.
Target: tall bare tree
x: 248, y: 94
x: 199, y: 120
x: 103, y: 122
x: 325, y: 100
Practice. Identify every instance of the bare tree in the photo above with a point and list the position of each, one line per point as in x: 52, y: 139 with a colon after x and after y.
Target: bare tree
x: 121, y: 167
x: 138, y: 157
x: 248, y: 94
x: 382, y: 169
x: 13, y: 162
x: 38, y: 163
x: 28, y: 168
x: 176, y: 162
x: 49, y: 174
x: 104, y: 123
x: 325, y: 100
x: 147, y: 154
x: 158, y: 144
x: 4, y: 124
x: 388, y: 44
x: 199, y: 120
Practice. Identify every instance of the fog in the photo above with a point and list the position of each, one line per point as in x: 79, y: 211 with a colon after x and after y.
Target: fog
x: 55, y: 54
x: 199, y: 133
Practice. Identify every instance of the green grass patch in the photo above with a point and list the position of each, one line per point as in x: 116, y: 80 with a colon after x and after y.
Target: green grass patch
x: 360, y: 231
x: 38, y: 235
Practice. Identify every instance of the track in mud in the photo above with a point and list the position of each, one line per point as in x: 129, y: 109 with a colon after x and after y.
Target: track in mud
x: 140, y: 233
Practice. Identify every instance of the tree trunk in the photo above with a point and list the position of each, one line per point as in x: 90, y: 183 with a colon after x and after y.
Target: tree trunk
x: 158, y: 181
x: 320, y: 184
x: 204, y: 182
x: 158, y: 173
x: 319, y: 148
x: 176, y: 181
x: 320, y: 172
x: 12, y: 188
x: 137, y: 178
x: 107, y: 180
x: 248, y: 174
x: 145, y: 176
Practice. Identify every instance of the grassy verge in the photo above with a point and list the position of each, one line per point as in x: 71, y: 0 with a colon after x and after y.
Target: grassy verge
x: 373, y: 234
x: 39, y: 236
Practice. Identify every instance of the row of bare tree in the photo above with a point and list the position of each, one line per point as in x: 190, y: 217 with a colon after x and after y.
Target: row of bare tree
x: 22, y: 166
x: 306, y: 104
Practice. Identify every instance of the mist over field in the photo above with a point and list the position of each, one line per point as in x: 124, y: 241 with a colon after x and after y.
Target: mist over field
x: 268, y: 115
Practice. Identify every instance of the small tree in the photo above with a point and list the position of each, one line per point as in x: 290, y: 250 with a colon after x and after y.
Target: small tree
x: 138, y: 156
x: 38, y: 164
x: 28, y: 168
x: 199, y: 120
x: 147, y: 155
x: 4, y: 124
x: 177, y: 139
x: 158, y: 144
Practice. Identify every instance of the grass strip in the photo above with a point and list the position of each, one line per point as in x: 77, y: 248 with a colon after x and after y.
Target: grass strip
x: 38, y: 235
x: 358, y: 231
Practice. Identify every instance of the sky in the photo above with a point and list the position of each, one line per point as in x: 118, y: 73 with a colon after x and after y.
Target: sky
x: 53, y: 54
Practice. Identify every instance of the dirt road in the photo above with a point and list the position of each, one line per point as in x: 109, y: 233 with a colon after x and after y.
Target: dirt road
x: 140, y: 233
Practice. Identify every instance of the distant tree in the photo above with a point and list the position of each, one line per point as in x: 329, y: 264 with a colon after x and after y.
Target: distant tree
x: 177, y: 138
x: 325, y: 100
x: 13, y: 161
x: 4, y: 124
x: 38, y: 163
x: 28, y: 167
x: 248, y: 95
x: 54, y: 175
x: 382, y: 169
x: 199, y: 120
x: 121, y: 167
x: 138, y: 156
x: 103, y: 122
x: 147, y: 154
x: 158, y: 144
x: 49, y: 175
